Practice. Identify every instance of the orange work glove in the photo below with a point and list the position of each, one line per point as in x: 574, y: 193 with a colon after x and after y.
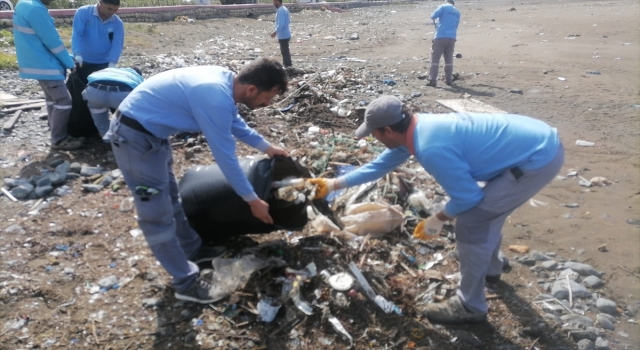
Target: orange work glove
x: 325, y: 186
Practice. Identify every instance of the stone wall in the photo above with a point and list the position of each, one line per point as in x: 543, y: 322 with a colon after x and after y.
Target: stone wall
x: 169, y: 13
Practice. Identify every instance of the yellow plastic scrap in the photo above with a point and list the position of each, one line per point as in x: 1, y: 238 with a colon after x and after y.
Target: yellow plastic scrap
x: 418, y: 232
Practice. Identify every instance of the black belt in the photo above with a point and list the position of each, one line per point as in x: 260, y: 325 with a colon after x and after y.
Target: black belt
x: 134, y: 124
x: 109, y: 88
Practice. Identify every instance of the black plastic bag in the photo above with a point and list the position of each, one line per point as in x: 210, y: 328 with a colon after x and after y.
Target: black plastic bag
x: 80, y: 121
x: 217, y: 213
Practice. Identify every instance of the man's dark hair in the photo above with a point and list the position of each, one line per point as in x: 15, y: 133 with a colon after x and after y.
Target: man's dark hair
x: 265, y: 74
x: 403, y: 125
x: 111, y: 2
x: 137, y: 70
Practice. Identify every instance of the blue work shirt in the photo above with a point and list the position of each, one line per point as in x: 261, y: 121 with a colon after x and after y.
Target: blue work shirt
x: 460, y: 149
x: 91, y: 36
x: 448, y: 19
x: 126, y: 76
x: 197, y: 99
x: 282, y: 23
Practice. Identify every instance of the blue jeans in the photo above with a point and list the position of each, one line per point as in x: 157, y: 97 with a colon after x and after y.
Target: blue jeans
x: 146, y: 161
x: 99, y: 102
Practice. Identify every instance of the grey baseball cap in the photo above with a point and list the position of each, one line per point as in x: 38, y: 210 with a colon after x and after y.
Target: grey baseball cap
x: 381, y: 112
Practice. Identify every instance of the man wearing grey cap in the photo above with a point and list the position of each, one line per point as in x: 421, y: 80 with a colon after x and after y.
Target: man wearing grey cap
x: 515, y: 155
x: 444, y: 41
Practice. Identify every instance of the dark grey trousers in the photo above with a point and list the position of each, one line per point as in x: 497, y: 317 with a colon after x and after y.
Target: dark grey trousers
x: 439, y: 47
x: 479, y: 230
x: 58, y: 101
x: 286, y: 54
x: 146, y: 161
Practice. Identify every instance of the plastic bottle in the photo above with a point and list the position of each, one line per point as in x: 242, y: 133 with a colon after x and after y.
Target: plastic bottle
x: 386, y: 305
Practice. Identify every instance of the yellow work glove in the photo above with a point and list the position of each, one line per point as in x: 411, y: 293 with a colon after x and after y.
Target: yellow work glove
x: 325, y: 186
x: 428, y: 229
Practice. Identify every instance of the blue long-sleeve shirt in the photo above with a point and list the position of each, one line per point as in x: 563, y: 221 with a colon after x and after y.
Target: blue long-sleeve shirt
x: 120, y: 75
x: 461, y: 149
x: 91, y: 36
x: 282, y: 23
x: 448, y: 19
x: 197, y: 99
x: 40, y: 51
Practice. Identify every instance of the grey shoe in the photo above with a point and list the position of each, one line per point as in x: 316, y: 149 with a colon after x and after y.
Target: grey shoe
x: 452, y: 312
x: 67, y: 144
x: 431, y: 83
x: 207, y: 253
x: 199, y: 292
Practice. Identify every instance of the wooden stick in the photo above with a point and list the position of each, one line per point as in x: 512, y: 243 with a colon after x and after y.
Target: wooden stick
x: 408, y: 269
x: 534, y: 343
x: 28, y: 106
x: 9, y: 124
x: 8, y: 194
x: 570, y: 291
x: 18, y: 103
x: 93, y: 328
x: 629, y: 271
x: 37, y: 204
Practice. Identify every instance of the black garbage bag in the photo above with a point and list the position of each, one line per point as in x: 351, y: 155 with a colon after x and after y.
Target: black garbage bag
x: 80, y: 121
x: 217, y: 213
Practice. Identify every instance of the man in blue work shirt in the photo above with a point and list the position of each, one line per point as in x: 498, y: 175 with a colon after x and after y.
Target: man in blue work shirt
x: 98, y: 37
x: 107, y: 88
x: 282, y: 32
x: 42, y: 56
x: 444, y: 41
x: 193, y: 99
x: 515, y: 155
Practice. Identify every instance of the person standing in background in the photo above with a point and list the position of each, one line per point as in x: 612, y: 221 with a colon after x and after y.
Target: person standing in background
x: 97, y: 38
x: 282, y: 32
x: 444, y: 41
x: 42, y: 56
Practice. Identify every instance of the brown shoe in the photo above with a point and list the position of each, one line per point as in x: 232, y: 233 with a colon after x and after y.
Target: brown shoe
x: 452, y: 312
x: 67, y: 144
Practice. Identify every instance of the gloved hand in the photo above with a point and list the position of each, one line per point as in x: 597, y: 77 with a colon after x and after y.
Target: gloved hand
x: 112, y: 64
x: 428, y: 229
x: 325, y: 186
x: 78, y: 59
x: 273, y: 151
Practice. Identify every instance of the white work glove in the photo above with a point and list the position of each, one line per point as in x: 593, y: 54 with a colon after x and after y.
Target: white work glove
x: 78, y: 59
x: 428, y: 229
x: 325, y: 186
x: 112, y: 65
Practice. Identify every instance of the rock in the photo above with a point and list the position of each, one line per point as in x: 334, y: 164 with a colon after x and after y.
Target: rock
x: 109, y: 281
x: 190, y: 338
x: 607, y: 306
x: 15, y: 228
x: 605, y: 322
x: 45, y: 181
x: 185, y: 313
x: 560, y: 289
x: 526, y: 261
x: 574, y: 276
x: 43, y: 191
x: 522, y: 249
x: 580, y: 335
x: 602, y: 344
x: 90, y: 171
x: 586, y: 344
x: 106, y: 181
x: 549, y: 264
x: 516, y: 91
x: 354, y: 36
x: 63, y: 167
x: 582, y: 269
x: 72, y: 176
x: 189, y: 154
x: 57, y: 179
x: 592, y: 282
x: 577, y: 321
x: 116, y: 173
x: 11, y: 182
x: 56, y: 162
x: 92, y: 188
x: 152, y: 302
x: 75, y: 168
x: 22, y: 191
